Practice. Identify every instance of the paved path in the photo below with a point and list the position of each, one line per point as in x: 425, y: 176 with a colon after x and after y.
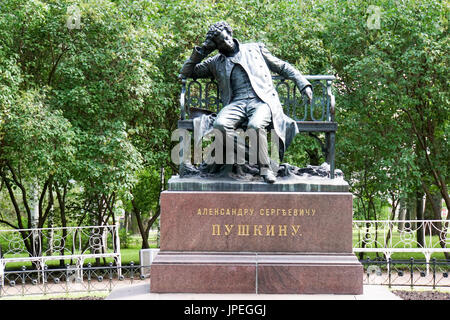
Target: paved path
x: 141, y: 291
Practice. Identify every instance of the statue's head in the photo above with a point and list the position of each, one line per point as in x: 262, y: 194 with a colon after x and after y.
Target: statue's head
x: 222, y: 35
x: 218, y: 27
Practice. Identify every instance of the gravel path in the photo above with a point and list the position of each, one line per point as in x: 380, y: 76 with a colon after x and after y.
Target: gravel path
x: 404, y: 294
x: 422, y: 295
x: 79, y: 298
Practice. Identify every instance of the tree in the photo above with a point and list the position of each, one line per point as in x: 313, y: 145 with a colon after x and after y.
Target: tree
x: 394, y: 81
x: 393, y: 94
x: 88, y: 102
x: 144, y: 204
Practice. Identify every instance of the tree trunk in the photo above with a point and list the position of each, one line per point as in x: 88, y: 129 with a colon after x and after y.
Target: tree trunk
x: 374, y: 209
x: 363, y: 244
x: 17, y: 210
x: 62, y: 211
x: 420, y: 216
x: 435, y: 203
x: 433, y: 208
x: 142, y: 229
x: 395, y: 203
x: 402, y: 213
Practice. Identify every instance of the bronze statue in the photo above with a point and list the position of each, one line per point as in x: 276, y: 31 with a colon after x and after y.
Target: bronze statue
x: 249, y: 97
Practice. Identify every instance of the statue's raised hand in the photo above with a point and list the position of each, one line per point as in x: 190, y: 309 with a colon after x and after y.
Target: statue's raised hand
x: 208, y: 46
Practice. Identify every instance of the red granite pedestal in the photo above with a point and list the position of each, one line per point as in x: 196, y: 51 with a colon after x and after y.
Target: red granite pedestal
x: 256, y: 242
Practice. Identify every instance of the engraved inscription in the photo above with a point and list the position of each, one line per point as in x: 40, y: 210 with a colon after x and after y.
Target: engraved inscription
x: 246, y: 229
x: 282, y: 230
x: 291, y: 212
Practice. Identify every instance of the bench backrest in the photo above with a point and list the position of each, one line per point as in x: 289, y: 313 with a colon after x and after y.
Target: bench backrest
x: 204, y: 94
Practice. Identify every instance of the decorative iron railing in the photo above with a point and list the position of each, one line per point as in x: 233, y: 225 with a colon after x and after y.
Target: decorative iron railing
x: 67, y: 280
x: 401, y: 235
x: 24, y: 282
x: 39, y: 246
x: 407, y: 273
x: 204, y: 94
x: 408, y: 236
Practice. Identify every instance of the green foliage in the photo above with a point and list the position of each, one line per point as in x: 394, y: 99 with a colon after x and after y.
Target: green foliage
x: 36, y: 138
x: 146, y: 191
x: 96, y: 105
x: 393, y: 81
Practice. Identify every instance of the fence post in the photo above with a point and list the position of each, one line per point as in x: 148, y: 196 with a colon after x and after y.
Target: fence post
x: 367, y: 269
x: 131, y: 271
x: 44, y: 278
x: 2, y: 272
x: 110, y: 276
x: 67, y: 278
x: 412, y: 272
x: 389, y: 272
x: 89, y: 276
x: 434, y: 273
x: 23, y: 280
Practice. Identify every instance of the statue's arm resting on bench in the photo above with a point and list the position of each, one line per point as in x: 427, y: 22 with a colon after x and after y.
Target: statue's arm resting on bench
x: 285, y: 69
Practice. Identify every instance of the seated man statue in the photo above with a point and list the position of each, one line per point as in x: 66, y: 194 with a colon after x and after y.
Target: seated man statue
x: 242, y: 72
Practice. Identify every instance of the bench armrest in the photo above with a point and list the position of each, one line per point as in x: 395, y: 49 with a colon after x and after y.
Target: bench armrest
x: 331, y: 100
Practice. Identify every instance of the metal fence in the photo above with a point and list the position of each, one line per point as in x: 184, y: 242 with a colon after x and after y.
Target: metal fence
x: 386, y: 236
x: 71, y: 279
x: 41, y: 245
x: 407, y: 273
x: 393, y: 273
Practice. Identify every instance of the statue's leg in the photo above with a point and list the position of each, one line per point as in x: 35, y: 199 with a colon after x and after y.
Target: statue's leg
x: 260, y: 118
x: 228, y: 120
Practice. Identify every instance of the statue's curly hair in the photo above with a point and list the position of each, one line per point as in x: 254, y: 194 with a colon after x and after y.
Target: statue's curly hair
x: 217, y: 28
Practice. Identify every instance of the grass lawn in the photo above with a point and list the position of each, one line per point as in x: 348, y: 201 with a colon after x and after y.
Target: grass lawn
x: 127, y: 255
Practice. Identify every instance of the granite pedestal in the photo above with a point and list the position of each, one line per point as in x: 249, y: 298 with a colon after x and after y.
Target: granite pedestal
x: 217, y: 237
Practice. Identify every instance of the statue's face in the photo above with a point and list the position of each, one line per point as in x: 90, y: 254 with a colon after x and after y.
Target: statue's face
x: 224, y: 42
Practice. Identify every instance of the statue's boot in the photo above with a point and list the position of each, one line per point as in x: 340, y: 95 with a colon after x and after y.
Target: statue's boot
x: 267, y: 174
x: 253, y: 170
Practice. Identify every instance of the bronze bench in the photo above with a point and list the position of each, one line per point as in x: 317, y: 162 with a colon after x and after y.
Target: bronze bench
x: 313, y: 118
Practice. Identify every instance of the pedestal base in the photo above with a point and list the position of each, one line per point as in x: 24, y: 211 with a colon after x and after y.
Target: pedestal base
x: 220, y: 237
x: 264, y: 273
